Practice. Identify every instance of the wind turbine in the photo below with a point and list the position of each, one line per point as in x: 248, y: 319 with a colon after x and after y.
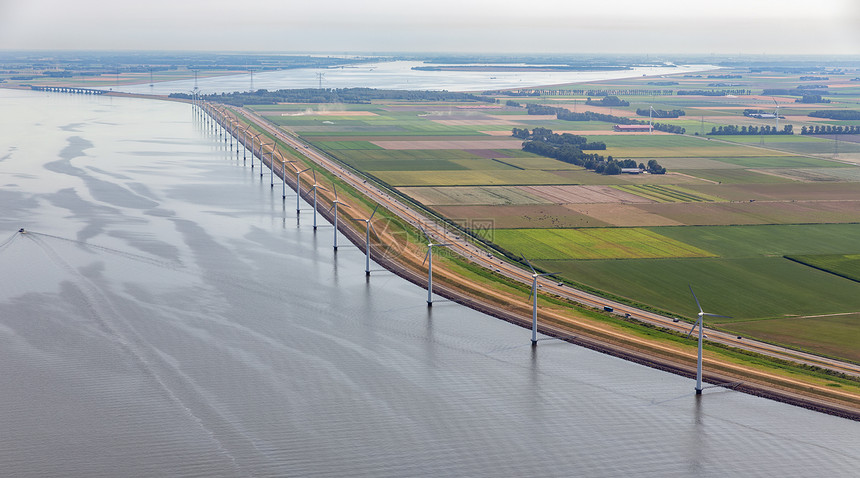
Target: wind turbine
x: 367, y: 247
x: 650, y: 128
x: 314, y: 189
x: 777, y: 112
x: 699, y: 323
x: 299, y: 188
x: 284, y: 175
x: 262, y: 155
x: 535, y: 276
x: 252, y: 147
x: 334, y: 205
x: 428, y: 258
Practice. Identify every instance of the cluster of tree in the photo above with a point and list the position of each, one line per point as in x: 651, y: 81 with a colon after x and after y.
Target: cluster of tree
x: 749, y: 112
x: 544, y: 110
x: 547, y: 136
x: 714, y: 92
x: 750, y: 130
x: 513, y: 103
x: 812, y: 99
x: 655, y: 113
x: 566, y: 115
x: 812, y: 87
x: 610, y: 100
x: 333, y: 95
x: 568, y: 148
x: 722, y: 85
x: 663, y: 83
x: 814, y: 78
x: 845, y: 115
x: 724, y: 77
x: 830, y: 129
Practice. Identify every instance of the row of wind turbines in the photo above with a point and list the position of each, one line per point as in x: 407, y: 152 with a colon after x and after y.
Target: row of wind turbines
x: 215, y: 118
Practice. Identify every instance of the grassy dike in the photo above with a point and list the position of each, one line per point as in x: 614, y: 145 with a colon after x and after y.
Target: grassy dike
x: 401, y: 248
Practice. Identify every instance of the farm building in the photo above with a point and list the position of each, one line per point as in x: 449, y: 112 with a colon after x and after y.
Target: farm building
x: 631, y: 171
x: 633, y: 128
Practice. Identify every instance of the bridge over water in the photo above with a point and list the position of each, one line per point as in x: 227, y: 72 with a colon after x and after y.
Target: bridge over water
x: 69, y: 89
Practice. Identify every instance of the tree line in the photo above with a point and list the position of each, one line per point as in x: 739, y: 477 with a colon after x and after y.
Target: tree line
x: 830, y: 129
x: 846, y: 115
x: 750, y: 130
x: 568, y: 148
x: 655, y: 113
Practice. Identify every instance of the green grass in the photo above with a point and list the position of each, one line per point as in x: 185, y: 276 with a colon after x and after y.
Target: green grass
x: 769, y: 240
x: 593, y: 243
x: 842, y: 265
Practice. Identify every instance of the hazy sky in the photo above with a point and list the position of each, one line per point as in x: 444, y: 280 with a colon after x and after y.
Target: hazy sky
x: 554, y: 26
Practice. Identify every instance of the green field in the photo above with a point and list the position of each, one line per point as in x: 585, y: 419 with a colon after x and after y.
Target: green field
x: 594, y: 243
x: 842, y: 265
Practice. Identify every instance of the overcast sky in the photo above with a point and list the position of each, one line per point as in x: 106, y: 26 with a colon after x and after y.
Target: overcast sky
x: 506, y: 26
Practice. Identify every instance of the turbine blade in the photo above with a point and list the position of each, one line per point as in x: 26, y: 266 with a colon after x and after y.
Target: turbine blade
x: 697, y: 299
x: 374, y: 212
x: 546, y: 274
x: 529, y: 263
x: 698, y: 323
x: 334, y: 188
x: 715, y: 315
x: 424, y: 231
x: 314, y: 172
x: 425, y: 256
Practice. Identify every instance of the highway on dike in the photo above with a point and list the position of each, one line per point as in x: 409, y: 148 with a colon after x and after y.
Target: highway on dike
x: 487, y: 260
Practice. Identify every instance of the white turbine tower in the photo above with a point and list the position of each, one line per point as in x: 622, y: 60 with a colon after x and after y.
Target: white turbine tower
x: 650, y: 110
x: 367, y: 239
x: 535, y: 276
x: 777, y: 112
x: 314, y: 189
x: 700, y: 324
x: 284, y: 175
x: 428, y: 258
x: 299, y: 188
x: 334, y: 206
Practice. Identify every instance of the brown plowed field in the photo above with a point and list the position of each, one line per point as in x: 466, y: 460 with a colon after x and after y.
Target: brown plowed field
x: 624, y: 215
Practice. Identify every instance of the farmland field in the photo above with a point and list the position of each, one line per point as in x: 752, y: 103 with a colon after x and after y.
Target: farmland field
x: 663, y: 194
x: 843, y: 265
x: 722, y: 218
x: 482, y: 195
x: 595, y: 243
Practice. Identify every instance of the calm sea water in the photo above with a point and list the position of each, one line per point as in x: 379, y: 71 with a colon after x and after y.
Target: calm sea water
x: 169, y: 315
x: 399, y: 75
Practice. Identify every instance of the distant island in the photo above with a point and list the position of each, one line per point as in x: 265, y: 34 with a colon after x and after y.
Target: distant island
x: 521, y: 68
